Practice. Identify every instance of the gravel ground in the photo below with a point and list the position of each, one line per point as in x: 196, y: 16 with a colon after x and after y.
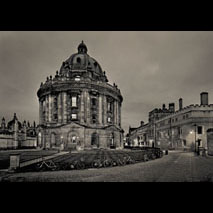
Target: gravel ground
x: 175, y: 167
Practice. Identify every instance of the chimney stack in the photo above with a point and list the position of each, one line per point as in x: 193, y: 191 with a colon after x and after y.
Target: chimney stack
x: 204, y: 98
x: 142, y: 123
x: 180, y: 104
x: 172, y: 107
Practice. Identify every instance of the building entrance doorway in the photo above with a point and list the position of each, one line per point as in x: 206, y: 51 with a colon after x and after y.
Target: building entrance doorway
x: 210, y: 141
x: 73, y: 141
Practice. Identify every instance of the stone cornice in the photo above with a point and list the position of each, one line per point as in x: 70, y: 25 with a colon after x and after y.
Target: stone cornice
x: 82, y: 125
x: 102, y: 88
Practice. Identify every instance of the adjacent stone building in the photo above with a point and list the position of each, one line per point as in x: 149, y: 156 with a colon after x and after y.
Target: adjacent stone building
x: 189, y: 127
x: 15, y: 135
x: 78, y: 108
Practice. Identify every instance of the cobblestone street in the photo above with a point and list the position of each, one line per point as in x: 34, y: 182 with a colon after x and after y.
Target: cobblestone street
x: 175, y: 167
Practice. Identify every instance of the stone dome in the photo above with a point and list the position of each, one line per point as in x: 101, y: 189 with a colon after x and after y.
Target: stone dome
x: 11, y: 123
x: 81, y: 61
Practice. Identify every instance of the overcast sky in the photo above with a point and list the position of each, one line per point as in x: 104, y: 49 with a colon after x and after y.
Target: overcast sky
x: 150, y: 68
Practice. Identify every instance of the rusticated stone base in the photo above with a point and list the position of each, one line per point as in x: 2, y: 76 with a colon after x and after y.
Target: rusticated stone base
x: 76, y: 137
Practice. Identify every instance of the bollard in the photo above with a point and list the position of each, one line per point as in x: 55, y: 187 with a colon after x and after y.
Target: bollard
x: 14, y: 162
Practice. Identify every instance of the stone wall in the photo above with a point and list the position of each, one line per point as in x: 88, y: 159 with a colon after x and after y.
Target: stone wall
x: 82, y: 136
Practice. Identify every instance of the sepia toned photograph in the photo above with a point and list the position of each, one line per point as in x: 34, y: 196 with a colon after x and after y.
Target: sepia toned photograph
x: 106, y: 106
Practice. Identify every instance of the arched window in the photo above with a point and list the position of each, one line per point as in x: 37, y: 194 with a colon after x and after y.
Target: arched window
x: 112, y: 142
x: 78, y: 60
x: 72, y: 138
x: 55, y: 108
x: 94, y: 101
x: 95, y: 139
x: 39, y: 139
x: 94, y: 118
x: 53, y: 140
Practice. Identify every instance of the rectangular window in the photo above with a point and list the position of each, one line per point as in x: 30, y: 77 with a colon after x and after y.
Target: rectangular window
x: 199, y: 130
x: 94, y: 102
x: 110, y: 106
x: 108, y: 119
x: 74, y: 116
x: 179, y: 131
x: 74, y: 101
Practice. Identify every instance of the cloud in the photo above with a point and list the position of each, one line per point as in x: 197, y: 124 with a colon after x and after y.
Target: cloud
x: 150, y: 68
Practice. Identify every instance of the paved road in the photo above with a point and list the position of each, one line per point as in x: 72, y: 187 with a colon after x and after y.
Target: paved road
x: 175, y: 167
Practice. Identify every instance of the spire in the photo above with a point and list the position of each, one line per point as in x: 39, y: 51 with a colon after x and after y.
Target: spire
x: 3, y: 123
x: 15, y: 117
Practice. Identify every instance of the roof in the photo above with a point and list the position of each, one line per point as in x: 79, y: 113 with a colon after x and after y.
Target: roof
x: 81, y: 61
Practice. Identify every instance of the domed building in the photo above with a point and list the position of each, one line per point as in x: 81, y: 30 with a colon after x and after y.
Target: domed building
x: 78, y: 108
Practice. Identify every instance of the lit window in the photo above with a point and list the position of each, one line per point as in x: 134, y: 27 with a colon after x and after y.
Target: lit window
x: 74, y: 139
x: 109, y: 119
x: 74, y: 116
x: 77, y: 78
x: 74, y: 101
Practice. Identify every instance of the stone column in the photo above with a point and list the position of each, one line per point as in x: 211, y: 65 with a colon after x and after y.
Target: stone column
x: 64, y: 101
x: 87, y: 107
x: 82, y: 105
x: 43, y: 111
x: 104, y: 110
x: 50, y: 107
x: 119, y: 113
x: 46, y: 109
x: 100, y: 109
x: 40, y: 112
x: 59, y: 108
x: 114, y: 112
